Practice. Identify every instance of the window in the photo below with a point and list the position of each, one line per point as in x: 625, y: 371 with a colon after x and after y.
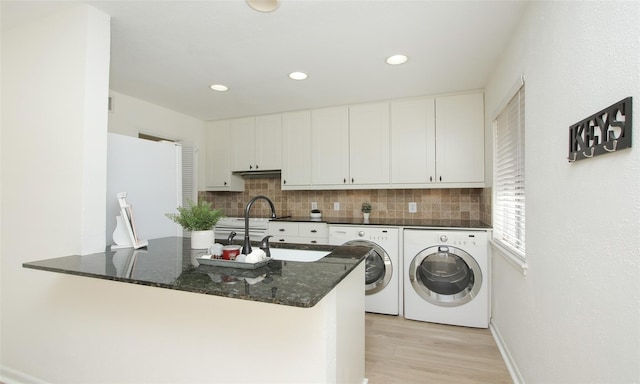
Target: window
x: 509, y: 181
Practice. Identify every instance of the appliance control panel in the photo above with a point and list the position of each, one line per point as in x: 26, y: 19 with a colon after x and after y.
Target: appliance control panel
x: 379, y: 235
x: 376, y: 235
x: 461, y: 239
x: 373, y: 237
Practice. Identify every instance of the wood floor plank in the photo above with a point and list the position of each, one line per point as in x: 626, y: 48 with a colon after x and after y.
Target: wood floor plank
x: 406, y: 351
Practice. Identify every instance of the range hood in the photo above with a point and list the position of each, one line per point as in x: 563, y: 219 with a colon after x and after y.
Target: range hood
x: 259, y: 173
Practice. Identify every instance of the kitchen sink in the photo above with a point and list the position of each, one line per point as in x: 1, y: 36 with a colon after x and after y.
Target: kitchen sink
x: 303, y: 255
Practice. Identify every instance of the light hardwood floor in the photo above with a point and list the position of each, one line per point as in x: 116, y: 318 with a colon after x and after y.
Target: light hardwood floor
x: 406, y: 351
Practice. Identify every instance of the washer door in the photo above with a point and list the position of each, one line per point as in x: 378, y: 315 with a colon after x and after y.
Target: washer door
x: 378, y: 267
x: 445, y: 276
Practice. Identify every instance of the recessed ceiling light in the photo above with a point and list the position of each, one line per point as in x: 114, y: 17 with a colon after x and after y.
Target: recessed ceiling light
x: 397, y: 59
x: 219, y: 87
x: 298, y: 75
x: 263, y: 5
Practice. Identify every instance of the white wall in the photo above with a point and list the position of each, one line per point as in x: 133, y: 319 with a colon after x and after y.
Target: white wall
x: 54, y: 126
x: 130, y: 116
x: 575, y: 316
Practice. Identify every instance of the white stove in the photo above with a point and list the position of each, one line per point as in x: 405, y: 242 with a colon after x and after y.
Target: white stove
x: 258, y: 228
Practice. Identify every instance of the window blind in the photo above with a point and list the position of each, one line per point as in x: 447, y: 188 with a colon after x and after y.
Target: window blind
x: 509, y: 176
x: 189, y: 187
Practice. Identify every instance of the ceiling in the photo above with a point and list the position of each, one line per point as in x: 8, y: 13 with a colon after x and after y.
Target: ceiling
x: 169, y: 52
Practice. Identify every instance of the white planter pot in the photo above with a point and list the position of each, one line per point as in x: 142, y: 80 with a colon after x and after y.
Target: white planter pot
x: 365, y: 215
x: 201, y: 239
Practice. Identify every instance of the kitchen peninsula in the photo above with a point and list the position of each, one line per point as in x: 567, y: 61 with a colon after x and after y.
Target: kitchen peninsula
x: 285, y: 322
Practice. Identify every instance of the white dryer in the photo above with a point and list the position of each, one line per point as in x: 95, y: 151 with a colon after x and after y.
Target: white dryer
x: 446, y: 277
x: 382, y: 280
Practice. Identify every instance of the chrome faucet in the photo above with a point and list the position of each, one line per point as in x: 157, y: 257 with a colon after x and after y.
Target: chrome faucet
x: 246, y: 248
x: 264, y: 245
x: 231, y: 236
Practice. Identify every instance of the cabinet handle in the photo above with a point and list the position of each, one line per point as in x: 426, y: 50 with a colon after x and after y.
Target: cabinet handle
x: 250, y: 166
x: 352, y: 179
x: 284, y: 181
x: 440, y: 178
x: 430, y: 178
x: 281, y: 229
x: 281, y: 240
x: 256, y: 166
x: 313, y: 241
x: 225, y: 183
x: 344, y: 181
x: 314, y: 231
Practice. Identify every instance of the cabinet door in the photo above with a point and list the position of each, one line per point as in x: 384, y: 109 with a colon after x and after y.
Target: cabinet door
x: 218, y: 174
x: 269, y: 142
x: 460, y: 138
x: 369, y: 143
x: 243, y: 134
x: 320, y: 230
x: 330, y: 146
x: 413, y: 138
x: 296, y: 149
x: 283, y: 228
x: 309, y: 240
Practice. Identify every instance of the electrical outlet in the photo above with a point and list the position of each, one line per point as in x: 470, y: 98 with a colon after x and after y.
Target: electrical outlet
x: 336, y: 206
x: 413, y: 207
x: 314, y: 205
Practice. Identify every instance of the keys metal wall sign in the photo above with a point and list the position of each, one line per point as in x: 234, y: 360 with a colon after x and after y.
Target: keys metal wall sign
x: 606, y: 131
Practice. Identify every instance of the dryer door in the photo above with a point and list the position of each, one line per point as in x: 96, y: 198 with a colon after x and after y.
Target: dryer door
x: 378, y: 266
x: 445, y: 276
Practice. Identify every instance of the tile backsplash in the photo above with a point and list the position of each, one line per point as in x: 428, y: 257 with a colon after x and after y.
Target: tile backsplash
x: 457, y: 203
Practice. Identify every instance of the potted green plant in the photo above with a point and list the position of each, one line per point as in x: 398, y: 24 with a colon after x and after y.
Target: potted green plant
x: 366, y: 210
x: 199, y: 219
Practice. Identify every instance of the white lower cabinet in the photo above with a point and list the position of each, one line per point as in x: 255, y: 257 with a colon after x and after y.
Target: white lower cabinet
x: 299, y: 232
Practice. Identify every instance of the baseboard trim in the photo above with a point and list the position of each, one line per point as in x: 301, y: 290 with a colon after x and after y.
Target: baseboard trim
x: 506, y: 355
x: 12, y: 376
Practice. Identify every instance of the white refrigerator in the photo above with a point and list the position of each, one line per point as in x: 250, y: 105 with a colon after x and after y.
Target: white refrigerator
x: 150, y: 173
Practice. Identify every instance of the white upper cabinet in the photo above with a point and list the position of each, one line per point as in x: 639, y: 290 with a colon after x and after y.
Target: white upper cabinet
x: 330, y: 146
x: 218, y: 171
x: 369, y: 144
x: 296, y: 150
x: 243, y: 132
x: 257, y: 143
x: 269, y: 142
x: 438, y: 142
x: 460, y: 138
x: 413, y: 144
x: 350, y: 146
x: 429, y: 142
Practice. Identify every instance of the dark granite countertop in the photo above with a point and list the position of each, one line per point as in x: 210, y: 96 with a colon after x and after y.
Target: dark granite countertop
x: 435, y: 223
x: 171, y: 263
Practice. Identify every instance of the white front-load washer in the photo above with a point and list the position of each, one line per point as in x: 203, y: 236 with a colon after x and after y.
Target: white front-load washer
x: 446, y: 277
x: 382, y: 276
